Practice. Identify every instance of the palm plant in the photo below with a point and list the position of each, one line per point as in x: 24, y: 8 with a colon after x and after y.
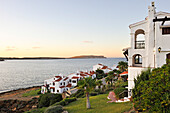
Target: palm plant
x: 107, y: 79
x: 87, y: 84
x: 122, y: 66
x: 99, y: 83
x: 111, y: 76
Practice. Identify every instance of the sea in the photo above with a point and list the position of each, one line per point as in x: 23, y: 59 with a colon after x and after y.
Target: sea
x: 15, y: 74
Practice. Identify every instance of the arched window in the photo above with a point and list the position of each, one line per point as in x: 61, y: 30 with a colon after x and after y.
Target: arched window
x: 137, y: 60
x: 140, y: 39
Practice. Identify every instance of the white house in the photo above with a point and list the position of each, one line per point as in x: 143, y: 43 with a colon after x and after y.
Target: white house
x: 60, y: 83
x: 57, y: 84
x: 150, y: 44
x: 106, y: 69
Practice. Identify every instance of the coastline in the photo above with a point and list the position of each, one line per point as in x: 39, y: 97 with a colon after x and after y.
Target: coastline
x: 17, y: 94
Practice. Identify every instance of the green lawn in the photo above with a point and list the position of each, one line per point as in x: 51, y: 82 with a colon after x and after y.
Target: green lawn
x: 31, y: 93
x: 99, y: 105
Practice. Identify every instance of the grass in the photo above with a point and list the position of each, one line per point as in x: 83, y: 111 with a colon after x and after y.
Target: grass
x: 31, y: 93
x: 39, y: 110
x: 99, y: 105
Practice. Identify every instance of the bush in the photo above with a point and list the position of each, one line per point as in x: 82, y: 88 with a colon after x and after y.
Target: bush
x: 66, y: 101
x: 78, y: 94
x: 93, y: 93
x: 151, y: 92
x: 119, y: 90
x: 99, y: 91
x: 48, y: 99
x: 54, y: 109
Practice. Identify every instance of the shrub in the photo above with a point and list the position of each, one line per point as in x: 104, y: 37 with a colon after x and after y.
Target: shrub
x: 54, y: 109
x: 151, y: 91
x: 66, y: 101
x: 99, y: 91
x: 48, y: 99
x: 93, y: 93
x: 119, y: 90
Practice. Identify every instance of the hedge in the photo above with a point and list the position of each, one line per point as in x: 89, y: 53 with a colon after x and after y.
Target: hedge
x: 66, y: 101
x: 119, y: 90
x: 48, y: 99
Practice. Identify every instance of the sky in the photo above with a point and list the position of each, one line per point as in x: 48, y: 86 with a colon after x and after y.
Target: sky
x: 65, y: 28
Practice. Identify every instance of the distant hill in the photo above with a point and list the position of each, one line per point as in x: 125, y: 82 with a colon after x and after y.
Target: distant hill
x: 46, y: 58
x: 29, y: 58
x: 88, y: 56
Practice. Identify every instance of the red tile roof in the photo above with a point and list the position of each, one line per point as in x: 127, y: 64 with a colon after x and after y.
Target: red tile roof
x: 52, y: 87
x: 100, y: 64
x: 57, y: 76
x: 58, y: 79
x: 104, y: 67
x: 74, y: 77
x: 69, y: 85
x: 92, y: 72
x: 81, y: 72
x: 65, y: 78
x: 124, y: 73
x: 83, y: 75
x: 62, y: 86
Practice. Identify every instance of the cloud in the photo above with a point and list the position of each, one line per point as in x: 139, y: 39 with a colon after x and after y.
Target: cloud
x: 87, y: 41
x: 36, y: 47
x: 10, y: 48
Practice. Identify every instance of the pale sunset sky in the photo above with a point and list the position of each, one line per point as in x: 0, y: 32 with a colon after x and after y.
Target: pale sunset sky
x: 65, y: 28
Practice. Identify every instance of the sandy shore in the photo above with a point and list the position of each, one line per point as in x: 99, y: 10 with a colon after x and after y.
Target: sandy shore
x: 17, y: 94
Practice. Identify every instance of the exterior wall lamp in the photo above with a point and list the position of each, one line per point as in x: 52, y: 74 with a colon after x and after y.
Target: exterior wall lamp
x: 159, y: 49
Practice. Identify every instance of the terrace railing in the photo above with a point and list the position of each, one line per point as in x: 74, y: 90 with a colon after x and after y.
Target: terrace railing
x: 139, y: 44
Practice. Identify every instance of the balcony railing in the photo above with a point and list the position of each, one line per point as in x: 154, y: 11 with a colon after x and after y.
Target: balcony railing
x: 139, y: 44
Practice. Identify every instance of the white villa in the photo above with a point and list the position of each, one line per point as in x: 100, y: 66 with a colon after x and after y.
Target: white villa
x: 60, y: 83
x: 150, y: 44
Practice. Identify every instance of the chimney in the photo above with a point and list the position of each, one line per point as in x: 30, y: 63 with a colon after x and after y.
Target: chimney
x: 153, y: 4
x: 151, y: 11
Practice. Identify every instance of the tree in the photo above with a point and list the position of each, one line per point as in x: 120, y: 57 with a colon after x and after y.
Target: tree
x: 99, y: 83
x: 87, y: 84
x: 151, y: 91
x: 107, y: 79
x: 117, y: 72
x: 123, y: 66
x: 111, y: 76
x: 100, y: 74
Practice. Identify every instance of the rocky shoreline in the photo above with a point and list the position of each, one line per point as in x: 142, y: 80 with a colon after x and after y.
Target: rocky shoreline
x: 14, y: 102
x: 17, y: 106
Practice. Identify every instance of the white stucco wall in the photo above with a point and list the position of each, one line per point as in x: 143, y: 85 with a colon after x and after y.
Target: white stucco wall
x: 153, y: 40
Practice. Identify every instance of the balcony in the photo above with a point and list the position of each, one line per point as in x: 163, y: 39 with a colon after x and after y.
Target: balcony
x: 139, y: 44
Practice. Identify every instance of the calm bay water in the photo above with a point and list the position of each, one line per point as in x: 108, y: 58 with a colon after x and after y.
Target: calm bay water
x: 15, y: 74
